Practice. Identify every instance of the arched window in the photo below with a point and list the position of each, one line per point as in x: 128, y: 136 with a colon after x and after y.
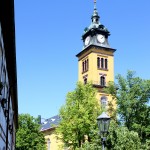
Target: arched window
x: 102, y: 62
x: 48, y: 144
x: 87, y: 64
x: 85, y: 80
x: 102, y: 81
x: 106, y: 63
x: 98, y: 62
x: 103, y: 101
x: 83, y: 66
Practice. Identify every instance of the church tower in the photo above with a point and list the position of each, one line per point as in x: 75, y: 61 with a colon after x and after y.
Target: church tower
x: 96, y: 60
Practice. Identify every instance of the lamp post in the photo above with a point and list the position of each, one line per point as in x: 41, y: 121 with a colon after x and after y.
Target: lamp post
x: 103, y: 125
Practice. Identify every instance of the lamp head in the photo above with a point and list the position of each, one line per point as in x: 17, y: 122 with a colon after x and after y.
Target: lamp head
x: 103, y: 123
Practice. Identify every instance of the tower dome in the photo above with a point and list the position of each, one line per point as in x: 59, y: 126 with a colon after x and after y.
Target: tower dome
x: 95, y: 31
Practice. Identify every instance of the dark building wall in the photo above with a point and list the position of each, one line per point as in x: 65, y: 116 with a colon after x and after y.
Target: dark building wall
x: 8, y: 76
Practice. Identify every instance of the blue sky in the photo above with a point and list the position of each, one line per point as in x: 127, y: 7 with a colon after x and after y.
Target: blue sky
x: 48, y: 36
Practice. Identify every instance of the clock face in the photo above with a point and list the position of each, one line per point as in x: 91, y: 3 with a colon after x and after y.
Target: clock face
x: 101, y: 38
x: 87, y: 40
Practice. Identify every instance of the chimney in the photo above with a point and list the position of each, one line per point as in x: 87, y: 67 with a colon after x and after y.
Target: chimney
x: 39, y: 119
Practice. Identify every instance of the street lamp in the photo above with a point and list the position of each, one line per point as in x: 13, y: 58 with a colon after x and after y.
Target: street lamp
x: 103, y: 125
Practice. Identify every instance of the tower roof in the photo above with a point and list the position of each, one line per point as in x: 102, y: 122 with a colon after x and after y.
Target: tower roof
x: 95, y: 26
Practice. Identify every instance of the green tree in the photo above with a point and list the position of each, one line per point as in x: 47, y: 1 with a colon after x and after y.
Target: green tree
x: 28, y: 136
x: 132, y: 95
x: 120, y: 138
x: 78, y: 116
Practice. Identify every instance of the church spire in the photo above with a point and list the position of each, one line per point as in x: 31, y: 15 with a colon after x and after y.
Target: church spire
x: 95, y: 17
x: 95, y: 32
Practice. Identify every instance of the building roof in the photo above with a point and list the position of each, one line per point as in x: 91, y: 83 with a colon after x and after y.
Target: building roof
x: 50, y: 123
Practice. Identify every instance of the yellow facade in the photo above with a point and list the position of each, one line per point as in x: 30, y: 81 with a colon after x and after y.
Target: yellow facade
x: 93, y: 73
x: 51, y: 140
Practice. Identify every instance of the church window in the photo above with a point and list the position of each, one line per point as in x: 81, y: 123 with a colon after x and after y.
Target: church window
x: 102, y: 62
x: 48, y: 144
x: 82, y: 66
x: 98, y: 62
x: 85, y: 80
x: 102, y: 81
x: 103, y: 101
x: 106, y: 63
x: 85, y: 65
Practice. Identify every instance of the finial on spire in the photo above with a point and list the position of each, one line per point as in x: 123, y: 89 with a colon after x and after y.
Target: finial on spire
x: 94, y: 4
x: 95, y: 16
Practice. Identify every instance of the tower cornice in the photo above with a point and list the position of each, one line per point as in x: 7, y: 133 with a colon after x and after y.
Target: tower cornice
x: 95, y: 48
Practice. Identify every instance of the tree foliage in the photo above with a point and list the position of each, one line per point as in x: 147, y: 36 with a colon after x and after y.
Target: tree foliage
x: 120, y: 138
x: 132, y: 95
x: 130, y: 130
x: 28, y: 136
x: 78, y: 116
